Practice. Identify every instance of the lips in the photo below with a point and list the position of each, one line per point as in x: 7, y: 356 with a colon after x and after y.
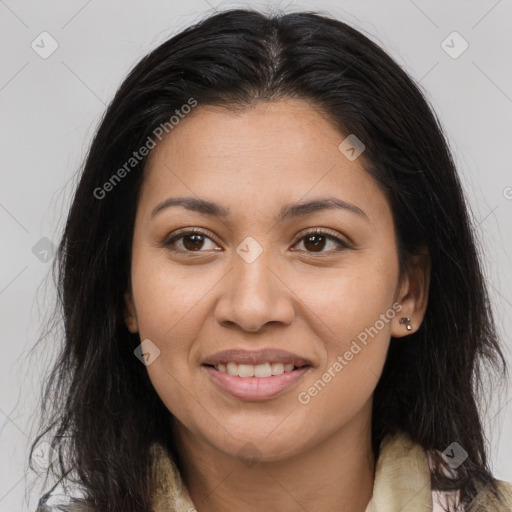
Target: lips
x: 253, y: 381
x: 256, y: 357
x: 254, y: 389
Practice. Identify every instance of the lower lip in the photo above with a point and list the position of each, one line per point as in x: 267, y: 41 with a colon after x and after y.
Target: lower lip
x: 255, y: 388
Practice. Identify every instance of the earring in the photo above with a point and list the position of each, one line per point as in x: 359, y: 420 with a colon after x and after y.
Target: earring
x: 406, y: 321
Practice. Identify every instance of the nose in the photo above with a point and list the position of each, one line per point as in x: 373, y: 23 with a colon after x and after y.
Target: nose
x: 254, y: 295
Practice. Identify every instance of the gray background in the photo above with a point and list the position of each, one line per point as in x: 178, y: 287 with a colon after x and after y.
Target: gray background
x: 50, y: 108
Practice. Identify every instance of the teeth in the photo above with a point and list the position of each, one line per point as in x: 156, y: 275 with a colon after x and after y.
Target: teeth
x: 252, y: 370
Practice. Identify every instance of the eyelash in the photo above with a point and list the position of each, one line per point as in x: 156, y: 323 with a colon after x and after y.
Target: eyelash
x: 169, y: 242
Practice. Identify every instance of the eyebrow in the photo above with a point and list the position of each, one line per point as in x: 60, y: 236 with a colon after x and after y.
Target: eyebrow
x: 288, y: 211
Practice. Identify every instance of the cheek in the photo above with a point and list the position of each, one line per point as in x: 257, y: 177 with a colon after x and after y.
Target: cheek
x: 348, y: 299
x: 354, y: 347
x: 353, y: 314
x: 167, y: 314
x: 166, y: 297
x: 173, y: 306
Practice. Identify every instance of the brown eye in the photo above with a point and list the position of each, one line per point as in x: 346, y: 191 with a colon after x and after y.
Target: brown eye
x: 188, y: 241
x: 193, y: 242
x: 316, y: 241
x: 197, y: 241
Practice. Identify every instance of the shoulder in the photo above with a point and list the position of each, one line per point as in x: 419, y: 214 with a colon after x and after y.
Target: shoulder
x: 488, y: 501
x: 61, y: 503
x: 505, y: 488
x: 485, y: 501
x: 400, y: 446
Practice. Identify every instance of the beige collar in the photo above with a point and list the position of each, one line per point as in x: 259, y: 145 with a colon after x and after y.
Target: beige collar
x: 402, y: 482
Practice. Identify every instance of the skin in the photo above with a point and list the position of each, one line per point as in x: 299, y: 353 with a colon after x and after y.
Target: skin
x: 314, y: 302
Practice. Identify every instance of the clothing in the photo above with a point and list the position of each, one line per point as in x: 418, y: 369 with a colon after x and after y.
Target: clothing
x: 402, y: 484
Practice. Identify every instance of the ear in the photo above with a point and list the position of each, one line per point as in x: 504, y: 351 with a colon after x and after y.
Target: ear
x: 413, y: 294
x: 130, y: 317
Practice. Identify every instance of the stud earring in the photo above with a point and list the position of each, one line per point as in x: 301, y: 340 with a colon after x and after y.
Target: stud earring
x: 406, y: 321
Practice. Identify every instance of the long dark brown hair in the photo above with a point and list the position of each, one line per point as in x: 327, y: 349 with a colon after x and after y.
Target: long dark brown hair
x: 99, y: 407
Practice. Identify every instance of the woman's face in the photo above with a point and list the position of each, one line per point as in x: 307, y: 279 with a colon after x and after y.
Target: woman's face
x: 256, y: 278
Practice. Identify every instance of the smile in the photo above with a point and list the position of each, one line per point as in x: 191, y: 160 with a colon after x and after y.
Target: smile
x: 255, y: 382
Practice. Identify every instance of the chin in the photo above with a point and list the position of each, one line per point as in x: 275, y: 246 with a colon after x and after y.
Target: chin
x: 252, y: 448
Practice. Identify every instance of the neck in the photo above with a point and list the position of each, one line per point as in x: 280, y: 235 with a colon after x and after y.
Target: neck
x: 336, y: 474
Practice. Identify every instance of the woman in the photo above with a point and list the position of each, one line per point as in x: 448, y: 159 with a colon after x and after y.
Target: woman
x: 271, y: 290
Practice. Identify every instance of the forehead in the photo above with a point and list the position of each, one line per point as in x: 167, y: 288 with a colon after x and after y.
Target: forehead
x: 287, y: 128
x: 272, y: 153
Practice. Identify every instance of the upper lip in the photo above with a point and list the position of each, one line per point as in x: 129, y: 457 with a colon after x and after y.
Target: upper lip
x: 256, y: 357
